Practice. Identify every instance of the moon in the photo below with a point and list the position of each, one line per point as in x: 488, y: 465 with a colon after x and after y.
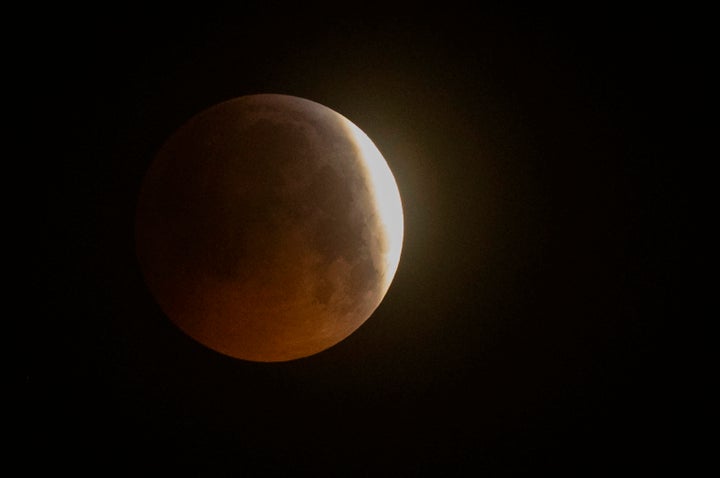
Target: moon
x: 268, y: 228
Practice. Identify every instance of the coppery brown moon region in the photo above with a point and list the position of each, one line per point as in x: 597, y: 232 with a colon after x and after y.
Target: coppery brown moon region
x: 260, y: 232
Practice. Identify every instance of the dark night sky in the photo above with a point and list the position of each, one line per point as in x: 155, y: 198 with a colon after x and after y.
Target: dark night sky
x: 522, y: 330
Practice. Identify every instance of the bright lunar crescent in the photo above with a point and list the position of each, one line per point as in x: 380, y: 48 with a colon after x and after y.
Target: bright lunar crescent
x: 269, y: 228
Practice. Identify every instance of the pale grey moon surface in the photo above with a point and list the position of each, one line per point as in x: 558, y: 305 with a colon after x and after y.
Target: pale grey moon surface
x: 262, y: 232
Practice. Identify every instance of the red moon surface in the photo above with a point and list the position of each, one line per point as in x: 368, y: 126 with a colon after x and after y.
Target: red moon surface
x: 269, y: 228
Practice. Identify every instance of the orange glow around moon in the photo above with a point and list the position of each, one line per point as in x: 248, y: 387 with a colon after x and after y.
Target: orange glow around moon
x: 269, y: 228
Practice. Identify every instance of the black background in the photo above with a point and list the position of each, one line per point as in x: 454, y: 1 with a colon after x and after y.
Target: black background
x: 522, y: 331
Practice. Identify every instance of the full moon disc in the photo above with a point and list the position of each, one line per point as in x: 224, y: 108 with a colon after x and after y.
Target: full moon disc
x: 269, y: 228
